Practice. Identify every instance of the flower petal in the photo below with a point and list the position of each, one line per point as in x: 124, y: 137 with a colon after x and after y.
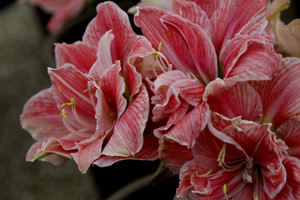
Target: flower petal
x: 82, y: 56
x: 238, y: 100
x: 172, y: 46
x: 41, y: 117
x: 127, y: 138
x: 281, y: 96
x: 246, y: 17
x: 247, y: 58
x: 200, y: 45
x: 111, y: 17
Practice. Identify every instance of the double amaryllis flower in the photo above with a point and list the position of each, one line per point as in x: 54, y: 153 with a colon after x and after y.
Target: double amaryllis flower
x: 97, y: 108
x: 214, y: 101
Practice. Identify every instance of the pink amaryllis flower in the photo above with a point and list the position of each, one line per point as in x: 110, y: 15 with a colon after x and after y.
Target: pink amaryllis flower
x: 251, y: 144
x: 199, y: 41
x: 97, y: 108
x: 61, y: 11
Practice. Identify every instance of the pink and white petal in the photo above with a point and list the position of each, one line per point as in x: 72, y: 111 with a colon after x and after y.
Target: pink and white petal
x: 111, y: 17
x: 292, y: 166
x: 43, y: 151
x: 199, y: 44
x: 127, y: 138
x: 105, y: 115
x: 113, y: 86
x: 247, y: 58
x: 68, y: 82
x: 148, y: 153
x: 86, y: 155
x: 41, y: 118
x: 234, y: 101
x: 133, y: 80
x: 81, y: 55
x: 193, y: 12
x: 64, y: 13
x: 173, y: 47
x: 289, y: 132
x: 142, y: 57
x: 281, y: 96
x: 104, y: 60
x: 173, y: 118
x: 189, y: 127
x: 209, y: 6
x: 234, y: 16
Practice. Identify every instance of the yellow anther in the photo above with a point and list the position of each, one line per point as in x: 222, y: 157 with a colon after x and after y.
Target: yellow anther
x: 59, y: 89
x: 180, y: 11
x: 159, y: 46
x: 72, y: 103
x: 256, y: 198
x: 225, y: 189
x: 162, y: 89
x: 89, y: 90
x: 155, y: 55
x: 63, y: 114
x: 203, y: 175
x: 221, y: 157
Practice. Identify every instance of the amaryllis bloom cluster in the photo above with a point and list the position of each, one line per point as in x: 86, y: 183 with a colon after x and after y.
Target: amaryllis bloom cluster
x: 203, y: 90
x: 61, y: 11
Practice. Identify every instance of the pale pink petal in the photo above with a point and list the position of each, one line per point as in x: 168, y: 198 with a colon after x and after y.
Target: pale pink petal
x: 49, y: 151
x: 247, y: 58
x: 127, y: 138
x: 82, y: 56
x: 104, y: 60
x: 88, y: 154
x: 113, y: 87
x: 133, y: 80
x: 189, y: 127
x: 143, y: 59
x: 41, y: 117
x: 281, y: 96
x: 172, y: 45
x: 199, y: 44
x: 234, y: 16
x: 111, y: 17
x: 238, y: 100
x: 68, y: 82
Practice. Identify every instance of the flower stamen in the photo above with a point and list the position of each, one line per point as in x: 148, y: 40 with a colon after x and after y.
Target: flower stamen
x: 221, y: 157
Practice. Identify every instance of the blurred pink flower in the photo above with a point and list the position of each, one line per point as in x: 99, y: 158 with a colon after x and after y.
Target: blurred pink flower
x: 97, y: 108
x: 61, y: 11
x: 287, y: 36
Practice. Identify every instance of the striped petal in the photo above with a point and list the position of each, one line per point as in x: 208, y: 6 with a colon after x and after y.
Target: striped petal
x: 41, y: 117
x: 280, y: 96
x: 127, y: 138
x: 111, y: 17
x: 81, y: 55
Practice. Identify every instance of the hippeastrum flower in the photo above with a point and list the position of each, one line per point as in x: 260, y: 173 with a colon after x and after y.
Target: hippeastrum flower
x: 61, y: 11
x: 225, y: 39
x: 194, y: 51
x: 97, y: 108
x: 251, y: 144
x: 287, y: 36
